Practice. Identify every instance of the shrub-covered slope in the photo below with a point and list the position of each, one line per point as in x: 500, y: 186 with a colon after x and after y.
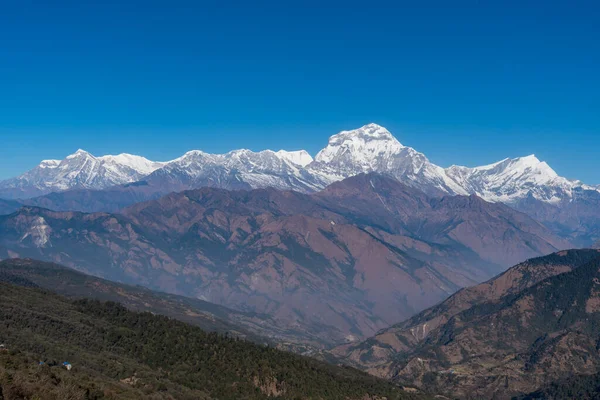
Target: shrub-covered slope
x: 122, y: 354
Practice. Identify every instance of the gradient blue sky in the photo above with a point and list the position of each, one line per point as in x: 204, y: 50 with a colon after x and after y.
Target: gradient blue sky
x: 465, y: 82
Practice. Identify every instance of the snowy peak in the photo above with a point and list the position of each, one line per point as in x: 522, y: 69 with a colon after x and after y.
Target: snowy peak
x: 360, y: 146
x: 365, y: 133
x: 529, y: 165
x: 79, y: 154
x: 78, y: 170
x: 136, y: 164
x: 372, y: 148
x: 513, y: 179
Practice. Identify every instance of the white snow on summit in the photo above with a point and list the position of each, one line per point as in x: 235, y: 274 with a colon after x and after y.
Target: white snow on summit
x: 139, y: 164
x: 360, y: 148
x: 79, y: 170
x: 510, y: 180
x: 372, y: 148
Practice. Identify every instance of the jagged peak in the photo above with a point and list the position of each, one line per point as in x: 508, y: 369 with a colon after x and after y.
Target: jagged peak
x: 522, y: 164
x: 191, y: 154
x: 79, y: 153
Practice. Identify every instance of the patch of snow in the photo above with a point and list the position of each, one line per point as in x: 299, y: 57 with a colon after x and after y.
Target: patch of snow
x: 299, y: 157
x: 39, y: 232
x: 49, y: 163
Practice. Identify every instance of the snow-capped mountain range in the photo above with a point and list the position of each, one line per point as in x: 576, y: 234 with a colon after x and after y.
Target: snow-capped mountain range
x: 371, y: 148
x: 78, y: 170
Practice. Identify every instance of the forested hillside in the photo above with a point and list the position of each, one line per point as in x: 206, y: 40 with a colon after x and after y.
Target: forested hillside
x: 116, y: 353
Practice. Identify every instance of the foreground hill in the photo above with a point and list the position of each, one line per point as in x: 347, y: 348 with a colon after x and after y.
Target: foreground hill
x: 208, y: 316
x: 340, y: 264
x: 119, y: 354
x: 535, y: 324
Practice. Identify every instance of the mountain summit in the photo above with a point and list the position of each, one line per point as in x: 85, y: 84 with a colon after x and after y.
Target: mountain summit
x: 372, y: 148
x: 361, y: 146
x: 512, y: 179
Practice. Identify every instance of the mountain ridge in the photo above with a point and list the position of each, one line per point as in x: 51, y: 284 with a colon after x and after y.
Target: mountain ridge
x: 371, y: 148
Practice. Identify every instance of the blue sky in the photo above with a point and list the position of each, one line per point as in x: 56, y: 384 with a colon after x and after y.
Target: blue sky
x: 465, y: 82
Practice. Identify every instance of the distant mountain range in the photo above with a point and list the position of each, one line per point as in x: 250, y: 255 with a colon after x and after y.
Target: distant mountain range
x: 338, y: 264
x: 371, y: 148
x: 527, y: 329
x: 83, y: 182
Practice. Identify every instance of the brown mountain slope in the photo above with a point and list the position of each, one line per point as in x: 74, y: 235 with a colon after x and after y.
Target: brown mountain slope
x: 495, y: 232
x: 378, y: 352
x: 334, y: 265
x: 532, y: 325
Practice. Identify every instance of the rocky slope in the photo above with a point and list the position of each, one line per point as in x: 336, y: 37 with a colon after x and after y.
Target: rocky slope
x: 534, y: 324
x: 339, y: 264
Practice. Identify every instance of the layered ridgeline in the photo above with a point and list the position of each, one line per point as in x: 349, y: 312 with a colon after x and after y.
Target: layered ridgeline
x: 531, y: 329
x: 65, y: 281
x: 120, y: 354
x: 88, y: 183
x: 337, y: 265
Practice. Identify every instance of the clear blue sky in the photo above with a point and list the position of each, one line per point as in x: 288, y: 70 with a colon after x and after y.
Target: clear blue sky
x: 465, y: 82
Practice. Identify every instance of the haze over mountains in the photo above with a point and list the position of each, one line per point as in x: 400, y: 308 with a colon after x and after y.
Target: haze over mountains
x: 339, y: 264
x: 369, y: 227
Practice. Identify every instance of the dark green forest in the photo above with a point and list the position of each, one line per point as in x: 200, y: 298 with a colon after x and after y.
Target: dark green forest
x: 584, y: 387
x: 122, y: 354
